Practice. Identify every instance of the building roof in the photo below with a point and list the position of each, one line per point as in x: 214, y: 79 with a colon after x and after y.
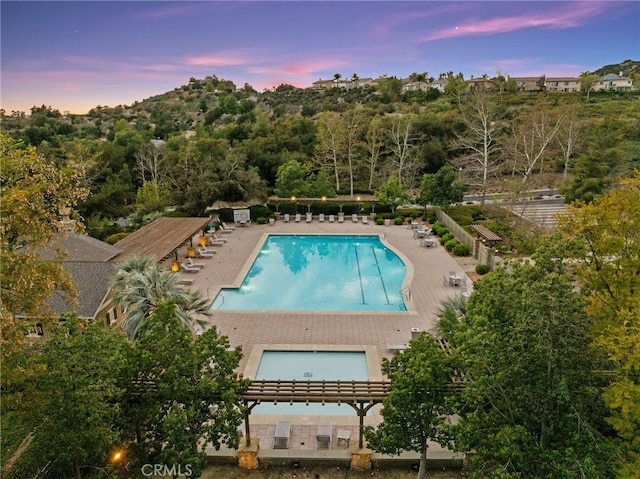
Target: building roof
x: 92, y: 282
x: 161, y: 238
x: 613, y: 76
x: 78, y: 247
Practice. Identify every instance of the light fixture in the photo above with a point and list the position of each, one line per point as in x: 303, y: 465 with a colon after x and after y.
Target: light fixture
x: 175, y: 266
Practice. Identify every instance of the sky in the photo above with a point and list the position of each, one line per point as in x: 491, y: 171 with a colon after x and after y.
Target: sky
x: 74, y: 56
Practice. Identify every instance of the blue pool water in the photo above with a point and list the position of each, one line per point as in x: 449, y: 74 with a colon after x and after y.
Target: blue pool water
x: 312, y: 366
x: 320, y: 273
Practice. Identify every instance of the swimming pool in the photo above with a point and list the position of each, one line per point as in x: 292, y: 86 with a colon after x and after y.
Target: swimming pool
x: 311, y: 366
x: 319, y: 273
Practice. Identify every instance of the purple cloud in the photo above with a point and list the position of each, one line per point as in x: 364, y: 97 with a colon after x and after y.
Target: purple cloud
x: 569, y: 16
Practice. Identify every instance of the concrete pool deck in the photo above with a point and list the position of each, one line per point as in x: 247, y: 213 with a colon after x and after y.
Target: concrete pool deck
x: 259, y: 329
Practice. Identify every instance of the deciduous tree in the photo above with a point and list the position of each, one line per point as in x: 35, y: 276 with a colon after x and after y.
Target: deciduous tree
x: 183, y: 393
x: 608, y: 230
x: 414, y: 411
x: 529, y: 408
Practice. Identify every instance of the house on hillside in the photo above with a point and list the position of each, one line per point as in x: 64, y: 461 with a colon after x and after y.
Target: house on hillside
x: 530, y: 84
x: 563, y: 84
x: 613, y: 82
x: 481, y: 84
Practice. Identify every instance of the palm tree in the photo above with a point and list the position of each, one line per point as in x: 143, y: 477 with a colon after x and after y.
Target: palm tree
x: 141, y: 284
x: 336, y: 78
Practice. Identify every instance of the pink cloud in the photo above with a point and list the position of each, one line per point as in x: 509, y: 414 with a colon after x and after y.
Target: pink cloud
x: 216, y: 60
x: 567, y: 17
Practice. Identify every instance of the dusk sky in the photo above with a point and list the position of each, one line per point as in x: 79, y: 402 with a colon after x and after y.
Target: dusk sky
x: 76, y: 55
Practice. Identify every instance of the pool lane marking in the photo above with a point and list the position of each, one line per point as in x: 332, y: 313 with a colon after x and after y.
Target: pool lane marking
x: 359, y: 274
x: 384, y: 288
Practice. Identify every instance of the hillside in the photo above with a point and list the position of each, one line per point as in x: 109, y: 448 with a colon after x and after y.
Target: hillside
x: 627, y: 67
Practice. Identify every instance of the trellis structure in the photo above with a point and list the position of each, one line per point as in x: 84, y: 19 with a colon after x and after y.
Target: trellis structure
x: 360, y: 395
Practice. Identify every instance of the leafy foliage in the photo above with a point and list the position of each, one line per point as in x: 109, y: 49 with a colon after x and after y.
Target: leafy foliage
x: 608, y: 231
x: 529, y: 408
x: 141, y: 284
x: 185, y: 391
x: 413, y: 412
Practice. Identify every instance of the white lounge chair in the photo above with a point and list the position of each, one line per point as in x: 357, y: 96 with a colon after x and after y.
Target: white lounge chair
x: 185, y: 281
x: 354, y: 217
x: 286, y: 218
x: 298, y: 218
x: 340, y: 219
x: 281, y: 436
x: 309, y: 217
x: 204, y: 252
x: 331, y: 218
x: 193, y: 264
x: 213, y: 240
x: 225, y: 229
x: 365, y: 220
x: 321, y: 217
x: 188, y: 269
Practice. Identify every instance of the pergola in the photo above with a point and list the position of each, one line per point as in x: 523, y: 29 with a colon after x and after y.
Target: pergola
x: 360, y: 395
x: 161, y: 238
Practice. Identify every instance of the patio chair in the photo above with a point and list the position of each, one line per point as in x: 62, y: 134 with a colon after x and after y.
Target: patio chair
x: 344, y: 435
x: 298, y: 218
x: 309, y: 217
x: 323, y: 436
x: 340, y: 219
x: 354, y: 217
x: 286, y: 218
x: 204, y: 252
x: 445, y: 280
x: 331, y: 218
x: 321, y: 217
x: 224, y: 227
x: 365, y: 220
x: 281, y: 436
x: 213, y: 240
x: 193, y: 264
x: 188, y: 269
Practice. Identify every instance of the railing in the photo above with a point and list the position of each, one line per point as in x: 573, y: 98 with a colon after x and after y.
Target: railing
x: 406, y: 293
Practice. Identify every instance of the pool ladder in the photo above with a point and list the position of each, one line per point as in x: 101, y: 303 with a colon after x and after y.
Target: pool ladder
x: 406, y: 293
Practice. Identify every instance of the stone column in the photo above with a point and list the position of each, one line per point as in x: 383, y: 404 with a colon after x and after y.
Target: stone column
x: 248, y: 455
x: 360, y: 459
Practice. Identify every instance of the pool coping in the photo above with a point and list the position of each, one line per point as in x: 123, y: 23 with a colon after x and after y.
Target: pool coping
x: 244, y: 270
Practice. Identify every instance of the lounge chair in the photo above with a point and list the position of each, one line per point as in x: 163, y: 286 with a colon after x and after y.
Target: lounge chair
x: 309, y: 217
x: 298, y: 218
x: 213, y: 240
x: 331, y: 218
x: 193, y: 264
x: 354, y: 217
x: 323, y: 436
x: 286, y: 218
x: 340, y: 219
x: 281, y: 436
x: 185, y: 281
x: 204, y: 252
x: 365, y: 220
x: 188, y: 269
x: 321, y: 217
x: 225, y: 229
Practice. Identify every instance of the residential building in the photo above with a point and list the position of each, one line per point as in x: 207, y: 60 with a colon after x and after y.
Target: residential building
x: 613, y: 82
x: 563, y: 84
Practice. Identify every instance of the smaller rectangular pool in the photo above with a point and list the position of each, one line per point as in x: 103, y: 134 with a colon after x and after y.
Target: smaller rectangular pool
x: 311, y: 366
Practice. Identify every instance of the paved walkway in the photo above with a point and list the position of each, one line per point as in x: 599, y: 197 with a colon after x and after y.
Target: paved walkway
x: 249, y: 329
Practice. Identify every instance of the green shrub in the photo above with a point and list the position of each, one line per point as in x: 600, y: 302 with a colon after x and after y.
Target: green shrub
x: 399, y: 220
x: 429, y: 216
x: 439, y: 228
x: 113, y: 239
x: 482, y: 269
x: 461, y: 250
x: 379, y: 220
x: 261, y: 220
x: 446, y: 237
x: 452, y: 243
